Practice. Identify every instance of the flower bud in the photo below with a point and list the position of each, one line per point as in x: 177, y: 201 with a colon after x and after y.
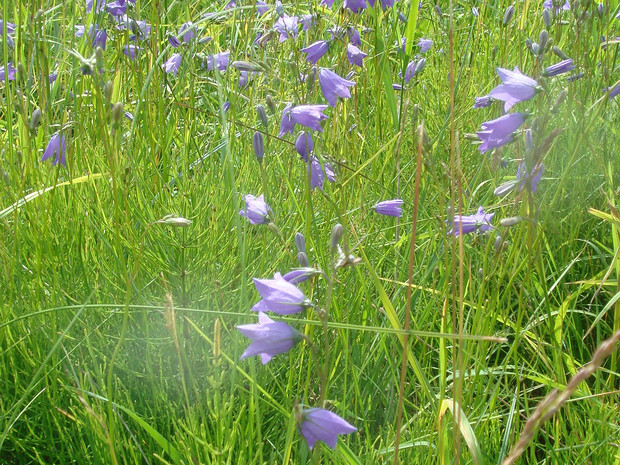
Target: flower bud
x: 21, y: 72
x: 108, y: 89
x: 35, y: 119
x: 262, y: 115
x: 99, y: 59
x: 546, y: 18
x: 246, y: 66
x: 529, y: 141
x: 508, y: 14
x: 302, y: 259
x: 337, y: 232
x: 279, y: 8
x: 498, y: 243
x: 511, y: 221
x: 600, y: 8
x: 300, y: 242
x: 559, y: 53
x: 535, y: 48
x: 270, y: 103
x: 117, y: 114
x: 176, y: 221
x: 542, y: 39
x: 419, y: 66
x: 558, y: 101
x: 438, y: 11
x: 259, y: 147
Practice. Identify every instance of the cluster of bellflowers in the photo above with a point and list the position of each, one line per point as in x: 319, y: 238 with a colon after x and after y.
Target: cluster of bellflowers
x: 282, y: 295
x: 517, y: 90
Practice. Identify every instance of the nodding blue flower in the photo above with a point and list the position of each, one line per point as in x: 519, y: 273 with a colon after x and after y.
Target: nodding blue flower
x: 563, y: 66
x: 327, y: 3
x: 483, y: 102
x: 116, y: 8
x: 219, y: 60
x: 425, y: 45
x: 304, y: 144
x: 172, y: 64
x: 612, y: 92
x: 281, y: 296
x: 269, y: 338
x: 307, y: 21
x: 187, y: 32
x: 317, y: 424
x: 10, y: 27
x: 390, y: 207
x: 141, y: 29
x: 530, y: 179
x: 99, y: 6
x: 97, y: 36
x: 317, y: 176
x: 549, y: 4
x: 480, y: 221
x: 334, y: 86
x: 256, y: 209
x: 355, y: 55
x: 309, y: 116
x: 55, y: 150
x: 287, y: 26
x: 355, y: 5
x: 315, y: 51
x: 329, y: 172
x: 261, y: 8
x: 498, y: 132
x: 131, y: 51
x: 516, y: 87
x: 173, y: 41
x: 354, y: 36
x: 8, y: 73
x: 385, y: 4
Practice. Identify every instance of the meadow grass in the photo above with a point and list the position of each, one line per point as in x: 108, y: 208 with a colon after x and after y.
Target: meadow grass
x: 117, y: 332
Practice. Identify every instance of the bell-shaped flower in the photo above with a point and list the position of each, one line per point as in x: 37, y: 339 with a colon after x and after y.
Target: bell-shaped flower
x: 287, y: 26
x: 269, y: 338
x: 498, y: 132
x: 280, y: 296
x: 390, y: 207
x: 480, y: 221
x: 563, y: 66
x: 315, y: 51
x: 187, y: 32
x: 256, y: 209
x: 516, y: 87
x: 355, y: 55
x: 317, y: 424
x: 483, y: 102
x: 309, y: 116
x: 304, y: 144
x: 172, y: 64
x: 317, y: 176
x: 8, y: 73
x: 55, y: 150
x: 425, y: 45
x: 355, y: 5
x: 219, y: 60
x: 334, y: 86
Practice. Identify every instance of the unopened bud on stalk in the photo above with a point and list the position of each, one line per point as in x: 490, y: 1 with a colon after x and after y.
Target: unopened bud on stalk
x: 559, y: 100
x: 270, y: 103
x: 546, y: 18
x: 438, y: 11
x: 559, y: 53
x: 542, y: 39
x: 108, y: 89
x: 246, y: 66
x: 259, y: 147
x: 302, y: 259
x: 117, y: 115
x: 511, y: 221
x: 498, y: 243
x: 21, y: 72
x: 337, y: 232
x: 176, y: 221
x: 35, y: 119
x: 508, y: 14
x: 262, y: 115
x: 300, y: 242
x: 529, y: 141
x: 99, y: 59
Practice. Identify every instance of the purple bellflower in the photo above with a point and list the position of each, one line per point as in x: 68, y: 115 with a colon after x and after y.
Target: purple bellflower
x: 131, y: 51
x: 330, y: 173
x: 516, y: 87
x: 483, y: 102
x: 187, y: 32
x: 315, y: 51
x: 269, y: 338
x: 173, y: 64
x: 296, y: 276
x: 287, y: 26
x: 261, y: 8
x: 480, y: 221
x: 309, y: 116
x: 174, y: 41
x: 280, y: 296
x: 498, y: 132
x: 219, y: 59
x: 390, y: 207
x: 8, y: 73
x: 563, y: 66
x: 99, y: 6
x: 355, y: 55
x: 355, y: 5
x: 425, y: 45
x: 317, y: 176
x: 549, y: 4
x: 612, y: 91
x: 10, y: 27
x: 256, y: 209
x: 334, y: 86
x: 385, y: 4
x: 304, y: 144
x: 307, y: 21
x: 354, y: 36
x: 317, y: 424
x: 116, y: 8
x: 532, y: 179
x: 327, y: 3
x: 57, y: 146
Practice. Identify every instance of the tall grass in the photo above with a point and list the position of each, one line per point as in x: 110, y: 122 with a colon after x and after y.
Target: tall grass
x: 117, y: 332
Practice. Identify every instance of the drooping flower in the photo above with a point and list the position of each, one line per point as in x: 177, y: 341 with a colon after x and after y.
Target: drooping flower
x: 172, y: 64
x: 269, y: 338
x: 304, y: 144
x: 174, y: 41
x: 100, y: 5
x: 334, y: 86
x: 549, y: 4
x: 261, y: 8
x: 390, y: 207
x: 385, y: 4
x: 131, y: 51
x: 516, y: 87
x: 57, y: 146
x: 425, y: 45
x: 259, y: 146
x: 327, y: 3
x: 354, y: 36
x: 355, y: 5
x: 8, y: 73
x: 498, y: 132
x: 483, y: 102
x: 530, y: 179
x: 330, y: 173
x: 307, y: 21
x: 309, y: 116
x: 317, y: 177
x: 280, y: 296
x: 563, y: 66
x: 317, y: 424
x: 315, y: 51
x: 480, y: 221
x: 219, y: 59
x: 187, y: 32
x: 612, y: 92
x: 287, y: 26
x: 256, y: 209
x: 116, y: 8
x: 355, y: 55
